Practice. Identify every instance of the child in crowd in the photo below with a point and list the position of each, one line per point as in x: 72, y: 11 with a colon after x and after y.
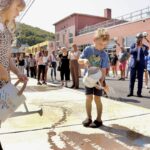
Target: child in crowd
x: 95, y: 56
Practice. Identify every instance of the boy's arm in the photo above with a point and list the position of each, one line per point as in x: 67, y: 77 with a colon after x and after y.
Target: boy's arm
x: 84, y: 62
x: 83, y: 59
x: 103, y: 70
x: 105, y: 65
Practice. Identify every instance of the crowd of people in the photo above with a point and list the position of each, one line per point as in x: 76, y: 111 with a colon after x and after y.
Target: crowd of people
x: 132, y: 64
x: 62, y: 60
x: 137, y: 61
x: 66, y: 62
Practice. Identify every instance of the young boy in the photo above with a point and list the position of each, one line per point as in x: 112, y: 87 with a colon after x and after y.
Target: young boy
x: 95, y: 56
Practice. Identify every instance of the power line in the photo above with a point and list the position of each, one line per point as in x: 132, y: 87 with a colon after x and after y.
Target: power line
x: 27, y: 4
x: 26, y: 11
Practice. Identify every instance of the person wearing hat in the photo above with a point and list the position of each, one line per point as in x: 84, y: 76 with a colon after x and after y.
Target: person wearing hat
x: 138, y: 51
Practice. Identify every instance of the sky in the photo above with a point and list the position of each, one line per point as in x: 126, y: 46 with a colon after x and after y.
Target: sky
x: 44, y: 13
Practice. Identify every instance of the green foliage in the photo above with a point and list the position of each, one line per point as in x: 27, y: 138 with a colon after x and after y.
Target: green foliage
x: 27, y: 34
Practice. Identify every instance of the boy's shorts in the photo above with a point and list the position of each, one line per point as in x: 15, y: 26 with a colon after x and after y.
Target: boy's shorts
x: 93, y: 91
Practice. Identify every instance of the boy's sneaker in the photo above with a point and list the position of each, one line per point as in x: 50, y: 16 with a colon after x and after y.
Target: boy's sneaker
x: 87, y: 122
x: 44, y: 83
x: 39, y: 83
x: 96, y: 124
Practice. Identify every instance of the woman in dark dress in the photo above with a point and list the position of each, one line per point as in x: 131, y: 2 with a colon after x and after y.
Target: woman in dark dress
x: 64, y: 67
x: 113, y: 62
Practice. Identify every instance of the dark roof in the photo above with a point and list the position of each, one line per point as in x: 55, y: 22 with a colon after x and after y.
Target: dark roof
x: 80, y: 14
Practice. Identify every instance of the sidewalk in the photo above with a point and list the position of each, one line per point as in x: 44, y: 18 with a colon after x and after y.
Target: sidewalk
x: 125, y: 126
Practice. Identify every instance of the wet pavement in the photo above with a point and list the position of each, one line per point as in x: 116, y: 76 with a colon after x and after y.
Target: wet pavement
x: 54, y: 119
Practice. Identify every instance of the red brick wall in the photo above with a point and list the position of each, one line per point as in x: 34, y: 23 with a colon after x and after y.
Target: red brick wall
x: 120, y: 31
x: 65, y: 23
x: 87, y: 21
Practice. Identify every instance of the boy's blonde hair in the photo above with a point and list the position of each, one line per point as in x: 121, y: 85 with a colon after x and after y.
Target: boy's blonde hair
x: 102, y: 34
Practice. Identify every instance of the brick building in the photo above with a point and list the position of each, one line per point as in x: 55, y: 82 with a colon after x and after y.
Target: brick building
x: 79, y: 28
x: 68, y: 28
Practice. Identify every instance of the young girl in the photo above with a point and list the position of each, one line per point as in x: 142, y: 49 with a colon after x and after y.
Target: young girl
x: 9, y: 10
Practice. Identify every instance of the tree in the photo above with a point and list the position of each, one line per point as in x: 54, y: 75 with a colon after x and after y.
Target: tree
x: 27, y: 34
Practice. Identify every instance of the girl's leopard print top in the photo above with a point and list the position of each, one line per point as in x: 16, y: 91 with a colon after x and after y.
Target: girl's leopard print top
x: 5, y: 47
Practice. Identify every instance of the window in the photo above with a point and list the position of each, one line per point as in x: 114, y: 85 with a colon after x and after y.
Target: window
x: 63, y: 38
x: 57, y: 37
x: 70, y: 38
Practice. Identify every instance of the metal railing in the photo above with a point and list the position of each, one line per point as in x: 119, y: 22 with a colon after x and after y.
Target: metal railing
x: 134, y: 16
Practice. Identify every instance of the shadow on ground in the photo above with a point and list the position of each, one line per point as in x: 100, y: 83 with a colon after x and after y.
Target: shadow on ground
x: 42, y: 88
x: 116, y: 137
x: 17, y: 114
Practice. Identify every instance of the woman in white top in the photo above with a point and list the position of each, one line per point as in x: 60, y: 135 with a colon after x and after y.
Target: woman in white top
x: 74, y: 66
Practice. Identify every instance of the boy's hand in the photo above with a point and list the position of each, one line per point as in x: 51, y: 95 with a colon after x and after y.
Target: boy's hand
x: 86, y: 62
x: 106, y: 88
x: 3, y: 73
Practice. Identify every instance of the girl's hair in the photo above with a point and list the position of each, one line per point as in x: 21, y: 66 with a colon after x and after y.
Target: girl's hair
x: 5, y: 5
x: 102, y: 34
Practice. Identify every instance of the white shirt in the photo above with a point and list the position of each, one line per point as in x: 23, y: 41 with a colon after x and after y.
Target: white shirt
x: 53, y: 59
x: 73, y: 55
x: 45, y: 59
x: 138, y: 54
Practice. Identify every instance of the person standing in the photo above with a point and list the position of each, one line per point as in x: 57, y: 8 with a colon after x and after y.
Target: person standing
x: 32, y: 64
x: 53, y: 63
x: 113, y: 63
x: 146, y: 75
x: 21, y: 64
x: 9, y: 10
x: 147, y: 59
x: 74, y: 66
x: 27, y: 67
x: 41, y: 68
x: 123, y: 57
x: 128, y: 67
x: 138, y: 52
x: 64, y: 67
x: 45, y: 66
